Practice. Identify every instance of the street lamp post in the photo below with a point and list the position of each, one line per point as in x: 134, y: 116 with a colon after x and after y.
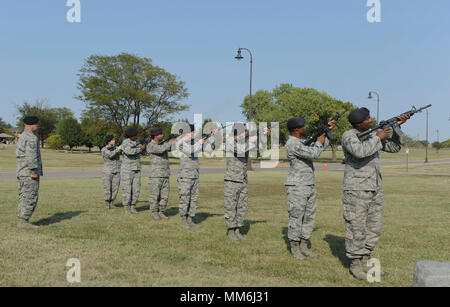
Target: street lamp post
x: 378, y: 104
x: 426, y: 147
x: 250, y: 117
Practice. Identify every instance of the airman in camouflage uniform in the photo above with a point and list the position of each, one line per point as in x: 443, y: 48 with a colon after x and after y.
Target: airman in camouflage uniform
x: 236, y: 181
x: 29, y: 170
x: 363, y: 204
x: 131, y: 170
x: 111, y: 170
x: 300, y: 187
x: 159, y: 174
x: 188, y: 175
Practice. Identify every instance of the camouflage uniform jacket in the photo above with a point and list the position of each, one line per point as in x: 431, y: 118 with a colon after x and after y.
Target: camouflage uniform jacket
x: 111, y: 158
x: 362, y: 160
x: 159, y: 159
x: 301, y: 159
x: 237, y: 159
x: 28, y: 155
x: 131, y: 151
x: 189, y: 167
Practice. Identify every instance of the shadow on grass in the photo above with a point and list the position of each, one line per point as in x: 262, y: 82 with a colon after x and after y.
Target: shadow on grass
x: 202, y: 216
x: 247, y: 225
x: 337, y: 247
x: 58, y: 217
x: 173, y: 211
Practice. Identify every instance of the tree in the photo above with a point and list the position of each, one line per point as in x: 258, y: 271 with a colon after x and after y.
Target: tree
x: 4, y: 126
x: 55, y: 142
x: 71, y: 133
x: 47, y: 117
x: 438, y: 145
x: 286, y: 101
x: 95, y: 130
x: 63, y: 113
x: 125, y: 88
x: 446, y: 144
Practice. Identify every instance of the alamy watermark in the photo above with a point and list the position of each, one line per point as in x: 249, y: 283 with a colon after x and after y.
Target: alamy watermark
x: 374, y: 13
x: 74, y: 13
x: 74, y: 273
x: 374, y: 274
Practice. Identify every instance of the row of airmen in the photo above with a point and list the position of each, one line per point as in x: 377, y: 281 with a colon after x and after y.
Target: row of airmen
x: 363, y: 204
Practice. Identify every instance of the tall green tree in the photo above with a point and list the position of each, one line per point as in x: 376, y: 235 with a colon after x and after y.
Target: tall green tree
x: 125, y: 89
x: 95, y: 130
x: 47, y: 117
x: 70, y: 131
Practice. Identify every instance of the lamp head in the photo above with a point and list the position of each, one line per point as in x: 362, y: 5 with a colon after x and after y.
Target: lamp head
x: 239, y: 55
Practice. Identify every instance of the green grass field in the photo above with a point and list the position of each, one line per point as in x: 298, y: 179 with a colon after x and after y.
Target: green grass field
x: 119, y: 250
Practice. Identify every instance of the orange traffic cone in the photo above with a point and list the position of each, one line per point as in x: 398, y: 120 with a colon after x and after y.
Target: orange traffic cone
x: 277, y: 165
x: 325, y: 168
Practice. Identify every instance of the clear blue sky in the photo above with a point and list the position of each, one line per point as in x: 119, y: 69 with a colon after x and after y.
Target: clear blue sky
x: 324, y: 44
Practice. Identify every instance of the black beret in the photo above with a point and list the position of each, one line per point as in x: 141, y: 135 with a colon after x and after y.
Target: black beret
x: 156, y: 132
x: 238, y: 128
x: 109, y: 138
x: 31, y: 120
x: 358, y: 116
x: 296, y: 122
x: 131, y: 132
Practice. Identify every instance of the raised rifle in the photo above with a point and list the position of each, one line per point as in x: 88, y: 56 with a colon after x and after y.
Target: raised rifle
x: 324, y: 129
x: 390, y: 123
x: 172, y: 136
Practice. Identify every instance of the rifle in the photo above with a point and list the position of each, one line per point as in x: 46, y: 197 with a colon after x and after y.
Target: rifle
x: 324, y: 129
x: 172, y: 136
x: 389, y: 123
x: 208, y: 135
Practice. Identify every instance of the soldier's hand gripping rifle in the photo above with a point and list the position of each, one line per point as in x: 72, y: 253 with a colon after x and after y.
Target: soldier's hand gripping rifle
x: 324, y: 129
x: 390, y: 123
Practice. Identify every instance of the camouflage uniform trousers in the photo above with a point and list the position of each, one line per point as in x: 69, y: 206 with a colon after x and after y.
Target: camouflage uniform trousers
x: 111, y: 183
x: 28, y: 196
x: 302, y: 201
x: 236, y: 203
x: 159, y: 193
x: 363, y: 215
x: 188, y: 194
x: 131, y: 187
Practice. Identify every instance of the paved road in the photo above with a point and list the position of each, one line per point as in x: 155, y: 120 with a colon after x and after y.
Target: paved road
x: 334, y: 167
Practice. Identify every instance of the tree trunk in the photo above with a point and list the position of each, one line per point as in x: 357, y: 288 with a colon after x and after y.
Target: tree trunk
x: 333, y: 152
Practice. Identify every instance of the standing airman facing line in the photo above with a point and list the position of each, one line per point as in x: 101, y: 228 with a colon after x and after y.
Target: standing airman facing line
x: 159, y: 173
x: 131, y: 170
x: 111, y: 170
x: 29, y: 171
x: 300, y: 187
x: 363, y: 204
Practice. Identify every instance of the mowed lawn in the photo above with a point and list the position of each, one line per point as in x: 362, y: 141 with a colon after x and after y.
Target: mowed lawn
x: 119, y: 250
